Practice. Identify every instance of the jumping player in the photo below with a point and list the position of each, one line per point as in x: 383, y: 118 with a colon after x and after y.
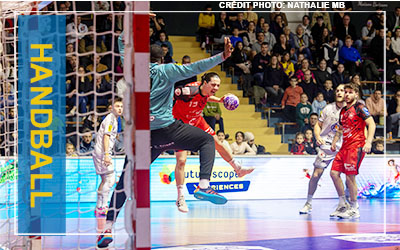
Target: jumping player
x: 324, y: 131
x: 354, y: 118
x: 102, y: 156
x: 168, y: 133
x: 190, y: 102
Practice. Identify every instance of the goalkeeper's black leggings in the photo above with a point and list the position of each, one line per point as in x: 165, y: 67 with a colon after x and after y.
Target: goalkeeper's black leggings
x: 177, y: 136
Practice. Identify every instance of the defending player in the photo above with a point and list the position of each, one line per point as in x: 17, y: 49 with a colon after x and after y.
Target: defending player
x: 167, y: 133
x: 105, y: 140
x: 324, y: 132
x: 190, y: 102
x: 354, y: 117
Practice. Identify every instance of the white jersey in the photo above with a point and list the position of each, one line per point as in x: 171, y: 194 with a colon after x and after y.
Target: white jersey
x: 109, y: 126
x: 329, y: 118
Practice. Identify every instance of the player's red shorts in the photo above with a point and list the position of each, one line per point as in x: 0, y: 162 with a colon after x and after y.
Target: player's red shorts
x: 348, y: 160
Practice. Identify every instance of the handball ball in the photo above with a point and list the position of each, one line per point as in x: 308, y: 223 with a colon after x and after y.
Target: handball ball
x: 231, y: 102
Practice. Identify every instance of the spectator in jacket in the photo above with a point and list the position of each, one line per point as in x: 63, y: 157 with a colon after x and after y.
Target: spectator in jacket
x: 206, y: 25
x: 349, y: 56
x: 290, y: 99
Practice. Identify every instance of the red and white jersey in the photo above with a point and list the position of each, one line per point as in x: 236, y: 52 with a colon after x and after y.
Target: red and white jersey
x: 189, y: 103
x: 329, y: 118
x: 353, y: 122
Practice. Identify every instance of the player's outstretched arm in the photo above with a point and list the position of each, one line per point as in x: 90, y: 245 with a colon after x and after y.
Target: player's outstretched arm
x: 317, y: 133
x: 371, y: 132
x: 217, y: 99
x: 336, y: 138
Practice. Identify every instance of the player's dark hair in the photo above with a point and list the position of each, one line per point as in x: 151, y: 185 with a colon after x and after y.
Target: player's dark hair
x: 239, y: 132
x: 207, y: 76
x: 353, y: 86
x: 118, y: 99
x: 156, y: 53
x: 314, y: 114
x: 220, y: 131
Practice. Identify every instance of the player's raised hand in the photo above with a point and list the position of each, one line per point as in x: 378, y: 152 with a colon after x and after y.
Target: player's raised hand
x: 228, y: 48
x: 367, y: 147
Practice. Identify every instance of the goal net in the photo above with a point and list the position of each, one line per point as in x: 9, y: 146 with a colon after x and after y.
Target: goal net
x: 99, y: 63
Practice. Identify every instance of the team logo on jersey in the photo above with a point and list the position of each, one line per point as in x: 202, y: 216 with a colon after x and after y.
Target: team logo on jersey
x: 335, y: 127
x: 366, y: 111
x: 178, y: 92
x: 110, y: 128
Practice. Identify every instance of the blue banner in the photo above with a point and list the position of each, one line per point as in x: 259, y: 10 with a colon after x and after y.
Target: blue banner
x: 41, y: 125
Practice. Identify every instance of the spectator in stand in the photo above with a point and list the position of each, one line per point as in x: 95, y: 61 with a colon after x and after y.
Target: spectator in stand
x: 282, y: 46
x: 298, y: 148
x: 84, y: 87
x: 331, y: 53
x: 375, y: 50
x: 250, y: 15
x: 240, y: 147
x: 379, y: 148
x: 376, y: 18
x: 356, y: 78
x: 274, y: 80
x: 349, y: 56
x: 317, y: 30
x: 289, y: 36
x: 260, y: 24
x: 90, y: 122
x: 206, y: 26
x: 152, y: 35
x: 305, y: 65
x: 235, y: 37
x: 185, y: 60
x: 100, y: 68
x: 305, y: 24
x: 313, y: 119
x: 393, y: 19
x: 212, y: 114
x: 70, y: 48
x: 301, y: 42
x: 277, y: 12
x: 71, y: 65
x: 339, y: 77
x: 303, y: 111
x: 268, y: 36
x: 257, y: 45
x: 393, y: 120
x: 239, y: 59
x: 157, y: 23
x: 222, y: 28
x: 260, y: 63
x: 310, y: 144
x: 392, y: 60
x: 396, y: 41
x: 70, y: 150
x: 249, y: 138
x: 345, y: 30
x: 166, y: 56
x: 376, y: 105
x: 368, y: 33
x: 287, y: 65
x: 221, y: 138
x: 325, y: 16
x: 87, y: 143
x: 102, y: 86
x: 309, y: 85
x: 328, y: 92
x: 277, y: 26
x: 319, y: 103
x: 86, y: 44
x: 290, y: 99
x: 298, y: 64
x: 241, y: 24
x: 322, y: 74
x: 250, y: 36
x: 75, y: 28
x: 163, y: 39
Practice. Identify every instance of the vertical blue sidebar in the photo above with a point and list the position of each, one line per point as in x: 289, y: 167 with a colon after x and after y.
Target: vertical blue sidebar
x: 41, y: 125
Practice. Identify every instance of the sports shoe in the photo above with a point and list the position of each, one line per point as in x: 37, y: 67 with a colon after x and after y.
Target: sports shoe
x: 210, y: 195
x: 241, y: 170
x: 104, y: 239
x: 306, y: 209
x: 101, y: 211
x: 181, y: 204
x: 351, y: 213
x: 340, y: 209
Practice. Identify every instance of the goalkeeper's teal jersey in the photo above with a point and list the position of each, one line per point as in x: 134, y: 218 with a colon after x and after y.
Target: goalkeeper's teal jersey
x: 163, y: 77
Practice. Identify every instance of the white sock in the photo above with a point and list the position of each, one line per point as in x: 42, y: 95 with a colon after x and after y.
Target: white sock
x: 204, y: 183
x: 309, y: 198
x: 354, y: 204
x: 108, y: 225
x: 342, y: 200
x: 180, y: 190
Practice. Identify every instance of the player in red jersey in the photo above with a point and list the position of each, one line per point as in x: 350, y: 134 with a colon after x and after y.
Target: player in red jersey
x: 353, y: 119
x: 190, y: 102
